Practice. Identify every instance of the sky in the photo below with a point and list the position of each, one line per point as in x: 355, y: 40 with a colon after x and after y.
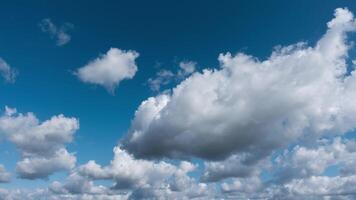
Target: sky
x: 177, y: 100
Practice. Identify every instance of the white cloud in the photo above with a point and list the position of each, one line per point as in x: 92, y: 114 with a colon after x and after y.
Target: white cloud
x: 4, y: 175
x: 304, y: 162
x: 319, y: 187
x: 146, y: 179
x: 7, y: 72
x: 251, y: 106
x: 59, y: 33
x: 265, y: 129
x: 39, y: 167
x: 41, y: 145
x: 128, y: 172
x: 241, y: 187
x: 110, y: 69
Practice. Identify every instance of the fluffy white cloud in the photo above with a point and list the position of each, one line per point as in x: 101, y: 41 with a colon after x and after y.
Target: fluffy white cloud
x: 251, y: 106
x: 319, y: 187
x: 4, y: 175
x: 128, y: 172
x: 300, y: 173
x: 41, y: 145
x: 147, y: 179
x: 244, y: 188
x: 110, y: 69
x: 7, y: 72
x: 265, y: 129
x: 59, y: 33
x: 39, y: 167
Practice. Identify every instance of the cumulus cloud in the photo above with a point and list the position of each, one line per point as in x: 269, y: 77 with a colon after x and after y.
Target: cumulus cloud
x: 59, y: 33
x: 41, y: 145
x: 4, y: 175
x: 318, y: 187
x: 128, y: 172
x: 146, y: 179
x: 163, y: 77
x: 237, y: 165
x: 8, y: 73
x: 110, y: 69
x: 243, y: 188
x: 267, y: 129
x: 40, y: 167
x: 304, y: 162
x: 251, y: 106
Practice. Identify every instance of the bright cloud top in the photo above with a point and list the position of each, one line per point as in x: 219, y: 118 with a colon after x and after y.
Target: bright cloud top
x: 110, y: 69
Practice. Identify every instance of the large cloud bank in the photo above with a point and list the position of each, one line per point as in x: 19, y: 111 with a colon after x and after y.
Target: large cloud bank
x: 251, y: 106
x: 260, y: 129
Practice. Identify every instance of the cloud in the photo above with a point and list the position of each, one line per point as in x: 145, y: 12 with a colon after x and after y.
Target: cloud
x: 186, y: 68
x: 165, y: 77
x: 319, y: 187
x: 304, y: 162
x: 237, y: 165
x: 4, y: 175
x: 241, y: 187
x: 59, y: 33
x: 41, y: 167
x: 49, y: 195
x: 7, y: 72
x: 41, y: 145
x: 110, y: 69
x: 270, y: 129
x: 253, y: 107
x: 128, y: 172
x: 146, y: 179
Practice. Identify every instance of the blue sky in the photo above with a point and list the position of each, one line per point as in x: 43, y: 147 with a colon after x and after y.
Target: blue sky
x: 164, y: 33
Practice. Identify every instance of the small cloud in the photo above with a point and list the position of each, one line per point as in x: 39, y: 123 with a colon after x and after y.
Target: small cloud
x: 59, y: 33
x: 109, y: 69
x: 7, y: 72
x: 186, y: 68
x: 165, y: 77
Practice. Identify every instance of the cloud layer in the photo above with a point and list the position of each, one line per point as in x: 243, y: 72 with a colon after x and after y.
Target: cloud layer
x: 249, y: 129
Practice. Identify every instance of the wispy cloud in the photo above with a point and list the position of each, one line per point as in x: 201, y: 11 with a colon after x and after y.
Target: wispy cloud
x: 59, y: 33
x: 165, y: 77
x: 7, y: 72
